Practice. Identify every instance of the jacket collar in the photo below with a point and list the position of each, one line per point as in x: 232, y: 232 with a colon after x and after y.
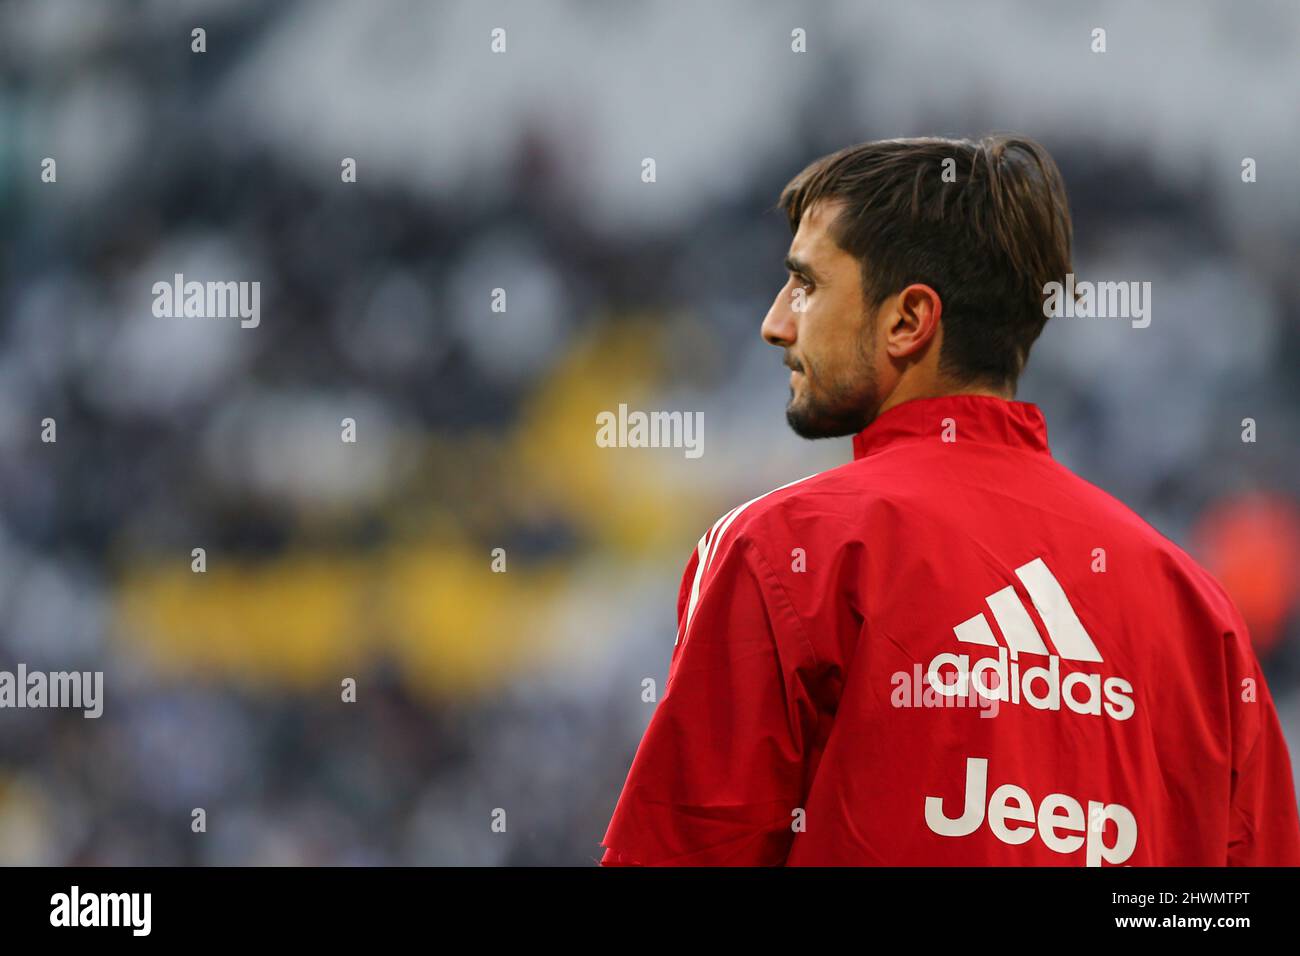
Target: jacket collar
x: 977, y: 418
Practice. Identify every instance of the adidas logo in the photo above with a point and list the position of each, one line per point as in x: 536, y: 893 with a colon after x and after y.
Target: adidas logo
x: 1041, y: 687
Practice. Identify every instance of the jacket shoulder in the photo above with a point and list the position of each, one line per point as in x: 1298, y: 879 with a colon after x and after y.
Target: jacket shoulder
x: 1179, y: 566
x: 831, y: 493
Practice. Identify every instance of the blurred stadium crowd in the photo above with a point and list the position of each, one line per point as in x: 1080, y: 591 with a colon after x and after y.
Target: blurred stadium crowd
x: 475, y: 429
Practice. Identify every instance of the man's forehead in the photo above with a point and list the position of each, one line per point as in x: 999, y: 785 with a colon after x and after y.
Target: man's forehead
x: 814, y: 236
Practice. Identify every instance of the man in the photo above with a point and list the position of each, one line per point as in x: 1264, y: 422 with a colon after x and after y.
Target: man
x: 951, y: 650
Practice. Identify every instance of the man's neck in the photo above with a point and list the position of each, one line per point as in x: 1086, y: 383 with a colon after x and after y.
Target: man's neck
x: 906, y: 392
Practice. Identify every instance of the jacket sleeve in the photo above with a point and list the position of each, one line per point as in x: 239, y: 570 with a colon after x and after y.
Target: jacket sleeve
x: 1263, y: 827
x: 720, y: 773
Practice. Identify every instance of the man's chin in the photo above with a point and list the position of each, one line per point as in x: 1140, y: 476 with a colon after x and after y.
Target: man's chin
x: 818, y: 423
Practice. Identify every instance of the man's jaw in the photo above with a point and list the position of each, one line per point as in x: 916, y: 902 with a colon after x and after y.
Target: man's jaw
x: 818, y: 415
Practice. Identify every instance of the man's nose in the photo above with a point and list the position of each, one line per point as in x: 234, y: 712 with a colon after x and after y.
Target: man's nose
x: 778, y: 325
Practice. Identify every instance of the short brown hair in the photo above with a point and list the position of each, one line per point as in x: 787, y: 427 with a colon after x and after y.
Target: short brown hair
x: 987, y: 242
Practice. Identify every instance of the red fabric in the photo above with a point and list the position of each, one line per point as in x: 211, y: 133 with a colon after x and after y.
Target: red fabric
x: 793, y: 730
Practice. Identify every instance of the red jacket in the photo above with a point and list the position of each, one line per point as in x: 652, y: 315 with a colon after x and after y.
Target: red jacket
x: 954, y: 651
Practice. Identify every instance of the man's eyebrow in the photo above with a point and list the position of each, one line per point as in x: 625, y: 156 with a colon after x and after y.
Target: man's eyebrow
x: 801, y: 268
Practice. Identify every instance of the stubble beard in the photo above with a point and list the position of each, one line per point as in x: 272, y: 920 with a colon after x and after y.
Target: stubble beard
x: 836, y: 408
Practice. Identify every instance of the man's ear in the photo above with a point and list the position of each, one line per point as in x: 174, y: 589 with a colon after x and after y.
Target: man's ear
x: 913, y: 320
